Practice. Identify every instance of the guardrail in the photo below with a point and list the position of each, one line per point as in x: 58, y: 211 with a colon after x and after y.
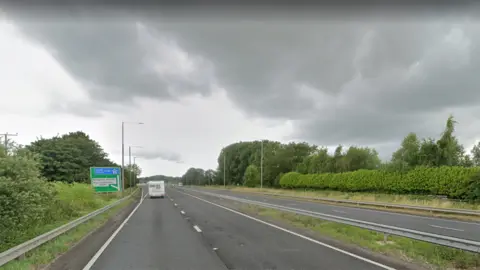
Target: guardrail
x: 25, y: 247
x: 443, y: 240
x: 377, y: 204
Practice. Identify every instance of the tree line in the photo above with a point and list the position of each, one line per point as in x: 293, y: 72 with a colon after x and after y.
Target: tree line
x: 68, y: 158
x: 241, y: 162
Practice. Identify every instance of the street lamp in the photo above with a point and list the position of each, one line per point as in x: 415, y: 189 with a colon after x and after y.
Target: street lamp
x: 123, y: 148
x: 130, y: 160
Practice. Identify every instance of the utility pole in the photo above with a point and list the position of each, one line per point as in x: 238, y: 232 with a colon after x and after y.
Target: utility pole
x: 261, y: 167
x: 123, y: 156
x: 123, y: 149
x: 6, y: 140
x: 224, y: 159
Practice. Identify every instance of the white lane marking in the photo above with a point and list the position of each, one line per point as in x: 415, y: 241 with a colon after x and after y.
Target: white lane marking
x: 296, y: 234
x: 197, y: 228
x: 382, y: 212
x: 175, y: 204
x: 446, y: 228
x: 182, y: 212
x: 109, y: 240
x: 338, y: 211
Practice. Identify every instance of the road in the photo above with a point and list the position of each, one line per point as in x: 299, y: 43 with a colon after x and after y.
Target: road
x: 189, y: 231
x: 459, y: 229
x: 157, y: 237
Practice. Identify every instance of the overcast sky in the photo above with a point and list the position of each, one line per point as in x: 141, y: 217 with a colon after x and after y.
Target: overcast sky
x: 199, y: 84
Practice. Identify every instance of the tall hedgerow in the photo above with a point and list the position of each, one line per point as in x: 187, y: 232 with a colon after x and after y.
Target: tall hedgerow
x: 451, y: 181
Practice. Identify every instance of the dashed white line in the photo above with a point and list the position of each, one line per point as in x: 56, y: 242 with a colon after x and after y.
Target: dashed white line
x: 182, y: 212
x: 338, y: 211
x: 175, y: 204
x: 294, y: 233
x: 446, y: 228
x: 197, y: 228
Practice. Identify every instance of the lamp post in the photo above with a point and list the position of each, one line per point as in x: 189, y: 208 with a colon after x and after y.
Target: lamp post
x: 130, y: 160
x: 123, y: 149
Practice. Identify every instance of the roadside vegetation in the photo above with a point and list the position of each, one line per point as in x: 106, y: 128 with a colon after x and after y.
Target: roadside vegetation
x: 422, y: 171
x: 437, y: 168
x: 404, y: 199
x: 421, y: 253
x: 46, y: 184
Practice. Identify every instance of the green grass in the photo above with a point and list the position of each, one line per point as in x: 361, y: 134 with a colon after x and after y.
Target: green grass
x: 416, y: 200
x: 43, y: 255
x: 71, y: 201
x: 431, y: 255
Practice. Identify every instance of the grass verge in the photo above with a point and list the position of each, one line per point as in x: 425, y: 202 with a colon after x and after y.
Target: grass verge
x: 416, y: 200
x: 70, y: 202
x: 430, y: 255
x: 43, y: 255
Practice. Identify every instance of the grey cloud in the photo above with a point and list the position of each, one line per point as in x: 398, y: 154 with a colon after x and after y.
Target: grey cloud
x: 369, y: 82
x: 366, y: 81
x: 118, y: 60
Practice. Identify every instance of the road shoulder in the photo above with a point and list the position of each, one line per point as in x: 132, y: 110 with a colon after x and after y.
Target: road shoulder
x: 79, y: 255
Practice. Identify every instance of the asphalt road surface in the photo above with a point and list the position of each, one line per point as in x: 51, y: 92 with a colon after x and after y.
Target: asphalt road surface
x: 182, y: 232
x: 459, y: 229
x: 157, y: 237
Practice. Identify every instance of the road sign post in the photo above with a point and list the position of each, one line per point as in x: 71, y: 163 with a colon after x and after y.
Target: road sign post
x: 106, y: 179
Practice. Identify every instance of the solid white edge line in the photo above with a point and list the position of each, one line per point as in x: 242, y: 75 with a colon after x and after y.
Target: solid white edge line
x: 197, y: 228
x: 105, y: 245
x: 296, y: 234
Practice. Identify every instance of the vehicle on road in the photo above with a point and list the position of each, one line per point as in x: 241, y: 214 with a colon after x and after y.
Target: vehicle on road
x: 180, y: 184
x: 156, y: 189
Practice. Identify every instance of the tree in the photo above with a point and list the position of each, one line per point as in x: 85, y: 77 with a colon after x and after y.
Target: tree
x: 476, y: 154
x: 252, y: 176
x: 357, y: 158
x: 450, y: 152
x: 67, y: 158
x: 210, y: 176
x: 194, y: 176
x: 428, y: 154
x: 409, y: 151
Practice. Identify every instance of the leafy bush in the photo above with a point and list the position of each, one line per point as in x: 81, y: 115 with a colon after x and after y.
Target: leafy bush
x: 450, y: 181
x: 31, y: 205
x: 25, y: 197
x: 251, y: 176
x: 472, y: 191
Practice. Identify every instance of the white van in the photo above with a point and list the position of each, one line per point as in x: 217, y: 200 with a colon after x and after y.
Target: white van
x: 156, y: 189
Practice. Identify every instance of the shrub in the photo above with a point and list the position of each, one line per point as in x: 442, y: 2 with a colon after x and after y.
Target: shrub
x: 251, y: 176
x: 25, y: 197
x: 454, y: 182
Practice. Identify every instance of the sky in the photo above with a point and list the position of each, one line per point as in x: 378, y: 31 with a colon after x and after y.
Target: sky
x: 199, y: 82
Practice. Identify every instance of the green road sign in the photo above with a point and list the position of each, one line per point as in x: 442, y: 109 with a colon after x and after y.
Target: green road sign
x: 106, y: 179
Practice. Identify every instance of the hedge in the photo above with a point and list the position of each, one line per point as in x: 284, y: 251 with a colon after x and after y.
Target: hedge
x: 453, y: 182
